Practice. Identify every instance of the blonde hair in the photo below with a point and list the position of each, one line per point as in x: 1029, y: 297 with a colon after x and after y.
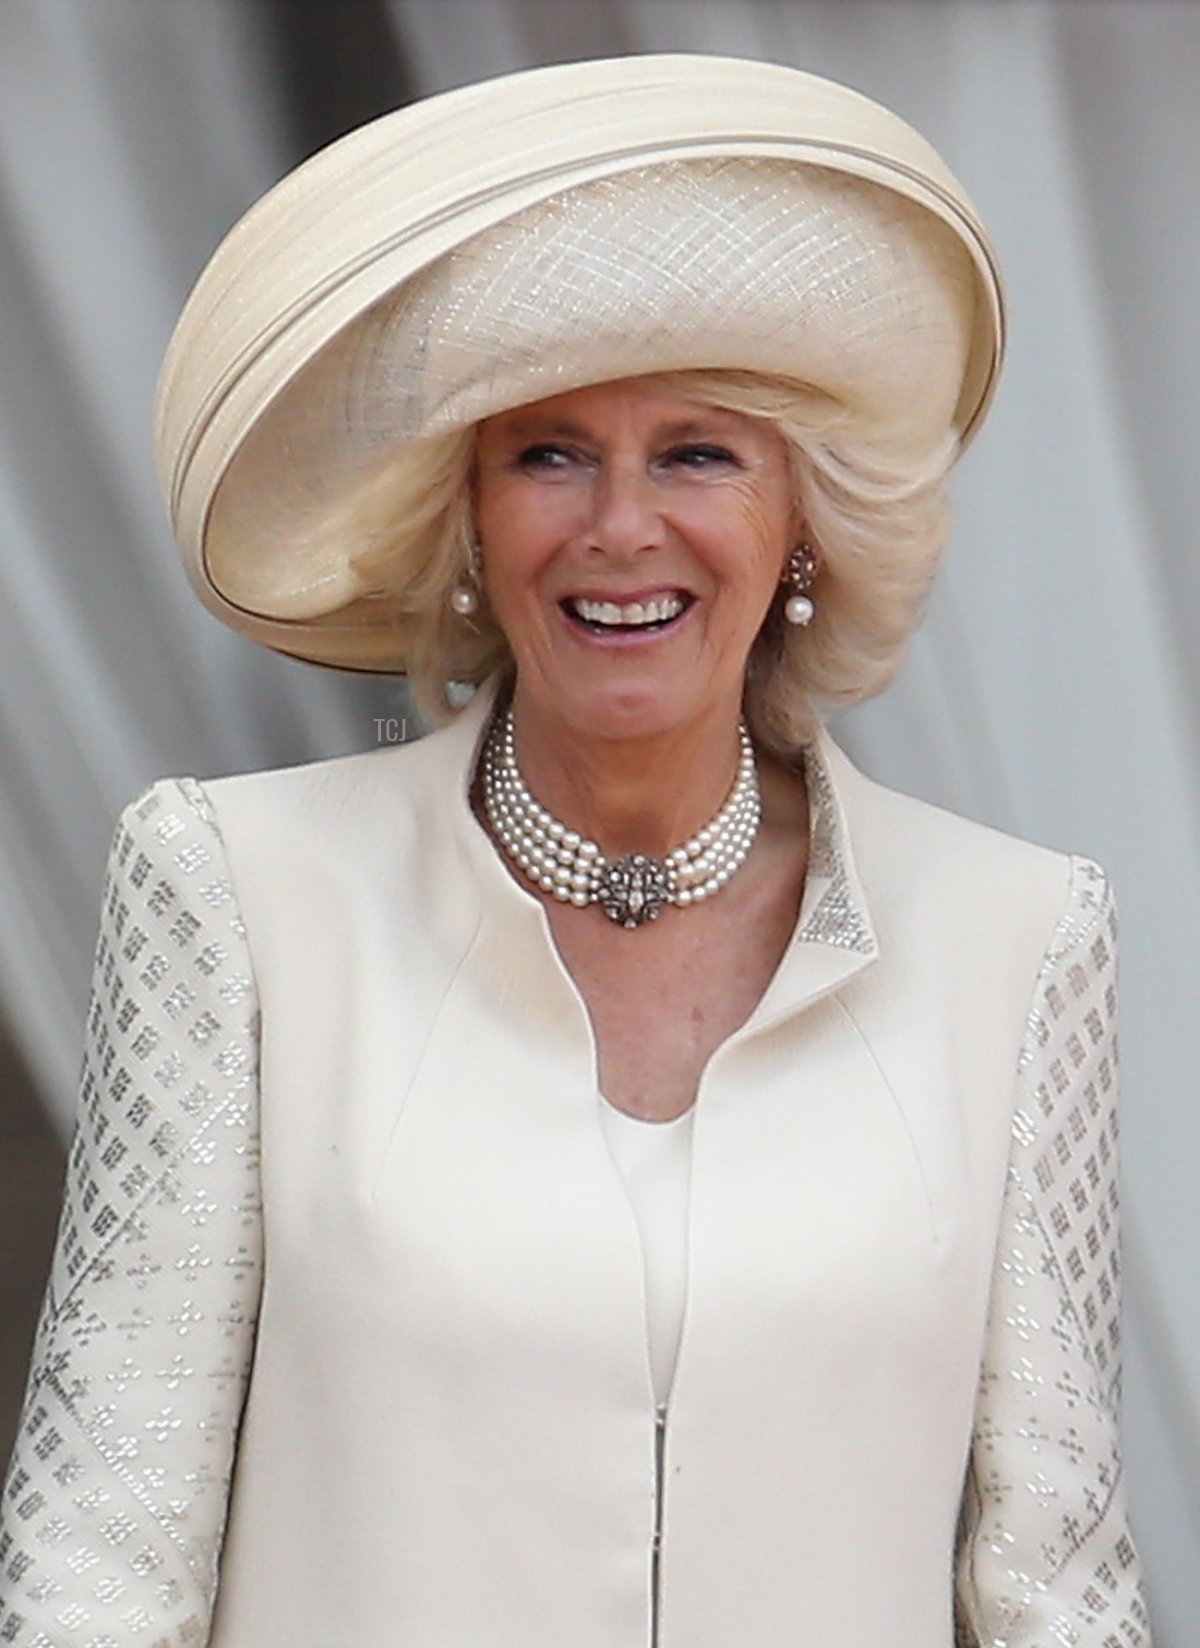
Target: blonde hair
x: 875, y: 512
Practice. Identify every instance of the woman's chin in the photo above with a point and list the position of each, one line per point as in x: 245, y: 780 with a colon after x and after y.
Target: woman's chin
x: 628, y: 709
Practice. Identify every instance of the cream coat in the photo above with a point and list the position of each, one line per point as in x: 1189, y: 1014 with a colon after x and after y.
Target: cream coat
x: 902, y: 1253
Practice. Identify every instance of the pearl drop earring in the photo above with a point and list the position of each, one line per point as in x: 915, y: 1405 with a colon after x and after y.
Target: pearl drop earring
x: 464, y: 597
x: 798, y: 576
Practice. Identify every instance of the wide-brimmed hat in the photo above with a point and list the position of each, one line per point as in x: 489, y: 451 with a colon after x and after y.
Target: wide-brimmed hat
x: 533, y: 234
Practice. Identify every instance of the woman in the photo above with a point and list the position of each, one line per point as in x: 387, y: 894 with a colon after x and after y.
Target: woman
x: 685, y: 1211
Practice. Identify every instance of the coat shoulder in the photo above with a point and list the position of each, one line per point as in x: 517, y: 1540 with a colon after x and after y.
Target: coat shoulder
x: 952, y: 877
x: 347, y: 800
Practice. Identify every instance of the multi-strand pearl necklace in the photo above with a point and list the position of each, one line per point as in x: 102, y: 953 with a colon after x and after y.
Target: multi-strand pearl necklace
x: 630, y: 890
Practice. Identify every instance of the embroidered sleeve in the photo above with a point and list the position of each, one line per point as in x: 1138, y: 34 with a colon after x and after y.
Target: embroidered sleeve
x: 1045, y: 1558
x: 114, y: 1506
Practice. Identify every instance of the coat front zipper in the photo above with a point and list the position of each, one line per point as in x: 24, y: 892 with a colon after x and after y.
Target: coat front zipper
x: 660, y: 1435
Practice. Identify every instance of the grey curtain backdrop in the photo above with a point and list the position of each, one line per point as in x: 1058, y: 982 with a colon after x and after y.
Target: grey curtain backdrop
x: 1053, y: 691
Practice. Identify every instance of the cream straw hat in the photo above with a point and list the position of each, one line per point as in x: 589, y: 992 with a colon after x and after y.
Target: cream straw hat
x: 530, y: 235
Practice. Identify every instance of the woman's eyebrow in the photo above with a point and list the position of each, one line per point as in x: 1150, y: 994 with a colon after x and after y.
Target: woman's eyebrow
x: 533, y: 428
x: 681, y: 429
x: 689, y: 428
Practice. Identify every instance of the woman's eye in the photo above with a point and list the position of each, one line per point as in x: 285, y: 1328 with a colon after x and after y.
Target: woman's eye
x: 701, y: 455
x: 544, y: 455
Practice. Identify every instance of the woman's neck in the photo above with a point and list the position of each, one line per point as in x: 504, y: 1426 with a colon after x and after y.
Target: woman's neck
x: 641, y: 794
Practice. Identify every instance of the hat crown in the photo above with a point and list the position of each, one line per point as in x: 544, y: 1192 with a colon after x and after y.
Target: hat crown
x: 729, y: 262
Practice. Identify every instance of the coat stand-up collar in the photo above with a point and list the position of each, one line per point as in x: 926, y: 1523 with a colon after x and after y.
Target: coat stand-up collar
x: 834, y: 938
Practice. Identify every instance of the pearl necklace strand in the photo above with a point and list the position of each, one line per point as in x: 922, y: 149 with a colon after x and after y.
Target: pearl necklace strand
x: 631, y: 890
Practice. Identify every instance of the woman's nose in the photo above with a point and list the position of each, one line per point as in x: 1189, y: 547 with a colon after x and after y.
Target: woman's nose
x: 626, y: 514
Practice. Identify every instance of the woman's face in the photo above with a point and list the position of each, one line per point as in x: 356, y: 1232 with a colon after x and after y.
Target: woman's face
x: 632, y: 543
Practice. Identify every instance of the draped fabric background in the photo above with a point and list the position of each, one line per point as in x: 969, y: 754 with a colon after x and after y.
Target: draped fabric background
x: 1053, y: 692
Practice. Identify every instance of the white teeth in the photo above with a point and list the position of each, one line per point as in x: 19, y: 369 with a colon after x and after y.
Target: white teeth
x: 660, y: 610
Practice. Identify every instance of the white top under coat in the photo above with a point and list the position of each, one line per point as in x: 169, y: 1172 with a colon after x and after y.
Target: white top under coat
x: 654, y: 1161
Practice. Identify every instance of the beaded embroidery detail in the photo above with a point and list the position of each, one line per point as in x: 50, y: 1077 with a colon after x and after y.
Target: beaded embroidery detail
x: 837, y: 916
x: 1046, y: 1559
x: 115, y: 1503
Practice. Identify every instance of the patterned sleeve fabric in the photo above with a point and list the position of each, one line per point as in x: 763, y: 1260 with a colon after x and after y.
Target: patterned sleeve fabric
x: 1045, y: 1557
x: 115, y: 1502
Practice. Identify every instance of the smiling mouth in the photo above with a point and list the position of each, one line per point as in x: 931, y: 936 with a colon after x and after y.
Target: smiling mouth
x: 643, y: 617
